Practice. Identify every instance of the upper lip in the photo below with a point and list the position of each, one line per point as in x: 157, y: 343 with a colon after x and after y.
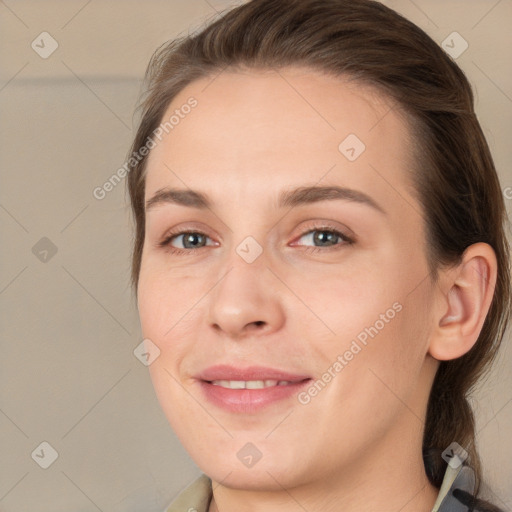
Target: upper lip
x: 227, y: 372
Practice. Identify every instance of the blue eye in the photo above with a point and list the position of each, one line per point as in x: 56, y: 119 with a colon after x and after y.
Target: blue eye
x: 191, y: 240
x: 327, y: 238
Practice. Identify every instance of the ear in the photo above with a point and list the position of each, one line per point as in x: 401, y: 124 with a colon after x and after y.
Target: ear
x: 462, y: 301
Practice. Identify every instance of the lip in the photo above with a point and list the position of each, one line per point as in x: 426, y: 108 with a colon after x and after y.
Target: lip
x: 227, y: 372
x: 248, y: 401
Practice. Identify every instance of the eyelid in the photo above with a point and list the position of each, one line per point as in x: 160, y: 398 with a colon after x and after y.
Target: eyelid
x: 318, y: 225
x: 347, y: 239
x: 166, y: 240
x: 188, y: 227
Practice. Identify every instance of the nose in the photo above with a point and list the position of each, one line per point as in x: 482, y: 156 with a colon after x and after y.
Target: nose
x: 246, y: 301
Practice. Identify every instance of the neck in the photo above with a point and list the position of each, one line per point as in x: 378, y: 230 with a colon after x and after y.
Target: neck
x: 390, y: 477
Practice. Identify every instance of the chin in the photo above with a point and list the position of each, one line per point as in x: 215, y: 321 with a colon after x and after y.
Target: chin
x: 261, y: 480
x: 264, y: 475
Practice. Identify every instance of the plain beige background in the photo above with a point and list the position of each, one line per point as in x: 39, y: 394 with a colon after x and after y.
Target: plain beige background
x: 69, y: 327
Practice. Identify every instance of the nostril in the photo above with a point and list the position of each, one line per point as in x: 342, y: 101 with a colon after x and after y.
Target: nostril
x: 257, y: 324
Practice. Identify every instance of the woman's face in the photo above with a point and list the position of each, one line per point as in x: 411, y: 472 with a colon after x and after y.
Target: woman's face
x: 316, y: 302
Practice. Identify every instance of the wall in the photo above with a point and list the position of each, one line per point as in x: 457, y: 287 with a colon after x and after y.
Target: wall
x: 68, y: 375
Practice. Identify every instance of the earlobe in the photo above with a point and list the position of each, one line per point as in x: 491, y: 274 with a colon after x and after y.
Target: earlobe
x: 464, y: 307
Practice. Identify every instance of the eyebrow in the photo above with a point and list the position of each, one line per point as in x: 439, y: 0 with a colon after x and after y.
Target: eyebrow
x: 287, y: 198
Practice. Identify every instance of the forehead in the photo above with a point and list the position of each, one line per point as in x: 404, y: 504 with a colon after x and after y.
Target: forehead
x: 261, y: 129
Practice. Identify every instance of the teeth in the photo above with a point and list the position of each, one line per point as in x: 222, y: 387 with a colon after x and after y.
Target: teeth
x: 249, y: 384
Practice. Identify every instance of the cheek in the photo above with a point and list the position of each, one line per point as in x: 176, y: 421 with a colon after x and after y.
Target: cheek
x: 167, y: 318
x: 163, y: 297
x: 388, y: 368
x: 349, y: 304
x: 151, y: 306
x: 171, y: 313
x: 381, y: 326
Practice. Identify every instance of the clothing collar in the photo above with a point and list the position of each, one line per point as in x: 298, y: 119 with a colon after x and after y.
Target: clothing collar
x: 458, y: 483
x: 457, y: 489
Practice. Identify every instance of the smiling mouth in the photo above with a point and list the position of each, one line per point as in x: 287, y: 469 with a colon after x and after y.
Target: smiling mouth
x: 250, y: 384
x: 249, y: 390
x: 251, y: 396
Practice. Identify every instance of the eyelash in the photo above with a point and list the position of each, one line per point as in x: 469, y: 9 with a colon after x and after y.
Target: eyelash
x: 165, y: 243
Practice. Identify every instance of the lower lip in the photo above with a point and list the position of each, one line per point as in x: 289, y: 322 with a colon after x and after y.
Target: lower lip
x: 249, y: 400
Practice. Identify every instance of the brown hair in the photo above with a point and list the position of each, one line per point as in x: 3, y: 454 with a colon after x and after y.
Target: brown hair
x: 456, y: 182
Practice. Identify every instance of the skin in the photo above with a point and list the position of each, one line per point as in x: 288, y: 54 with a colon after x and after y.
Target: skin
x: 357, y: 444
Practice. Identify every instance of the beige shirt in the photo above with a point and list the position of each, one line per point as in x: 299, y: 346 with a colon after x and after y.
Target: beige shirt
x: 197, y: 496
